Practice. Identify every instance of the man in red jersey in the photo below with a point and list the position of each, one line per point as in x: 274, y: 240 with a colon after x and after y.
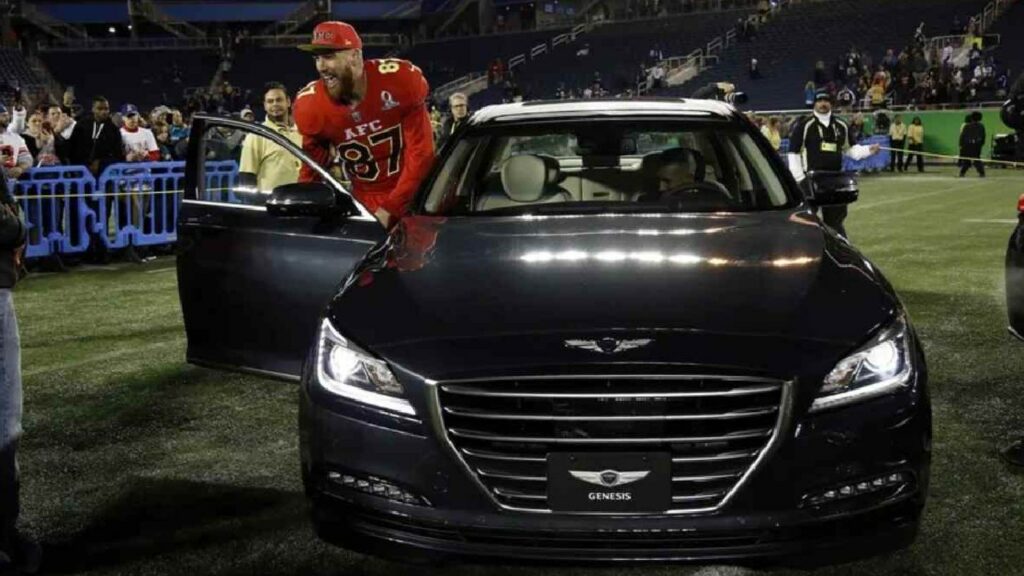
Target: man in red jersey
x: 373, y: 113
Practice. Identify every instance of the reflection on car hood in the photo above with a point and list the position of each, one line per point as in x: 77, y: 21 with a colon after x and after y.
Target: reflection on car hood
x: 759, y: 277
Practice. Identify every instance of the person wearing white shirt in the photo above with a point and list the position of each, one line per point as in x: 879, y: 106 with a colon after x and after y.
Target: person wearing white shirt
x: 17, y: 119
x: 139, y: 146
x: 14, y: 154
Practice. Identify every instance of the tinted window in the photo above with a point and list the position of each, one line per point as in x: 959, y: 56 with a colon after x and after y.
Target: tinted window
x: 607, y: 166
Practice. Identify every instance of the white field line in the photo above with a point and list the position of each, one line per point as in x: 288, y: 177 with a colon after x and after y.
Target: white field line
x: 990, y: 220
x: 957, y: 188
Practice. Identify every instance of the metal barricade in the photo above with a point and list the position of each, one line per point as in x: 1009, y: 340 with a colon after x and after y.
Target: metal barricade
x: 53, y: 200
x: 136, y: 203
x: 130, y: 204
x: 876, y: 162
x: 120, y: 203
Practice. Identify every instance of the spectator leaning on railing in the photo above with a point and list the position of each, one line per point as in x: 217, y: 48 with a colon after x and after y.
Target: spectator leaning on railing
x: 95, y: 143
x: 140, y: 146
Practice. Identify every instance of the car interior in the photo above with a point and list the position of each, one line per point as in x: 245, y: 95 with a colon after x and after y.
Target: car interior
x: 699, y: 171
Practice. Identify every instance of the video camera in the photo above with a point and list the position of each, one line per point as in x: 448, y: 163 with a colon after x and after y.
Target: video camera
x: 721, y: 91
x: 1012, y: 113
x: 736, y: 98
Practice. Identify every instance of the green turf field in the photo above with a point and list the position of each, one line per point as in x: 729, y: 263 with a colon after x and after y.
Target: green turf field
x: 136, y: 463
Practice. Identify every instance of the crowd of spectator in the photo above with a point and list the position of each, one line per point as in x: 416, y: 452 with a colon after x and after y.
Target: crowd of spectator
x: 922, y: 74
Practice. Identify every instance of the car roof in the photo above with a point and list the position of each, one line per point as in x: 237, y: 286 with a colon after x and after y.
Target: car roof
x: 571, y: 109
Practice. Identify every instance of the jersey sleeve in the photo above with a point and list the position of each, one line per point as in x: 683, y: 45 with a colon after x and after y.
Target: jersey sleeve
x: 310, y: 119
x: 417, y: 137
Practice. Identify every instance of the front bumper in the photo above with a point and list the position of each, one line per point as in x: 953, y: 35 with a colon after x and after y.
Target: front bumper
x: 406, y: 536
x: 768, y: 521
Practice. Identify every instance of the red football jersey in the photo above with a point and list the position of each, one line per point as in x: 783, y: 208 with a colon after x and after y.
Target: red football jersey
x: 385, y: 142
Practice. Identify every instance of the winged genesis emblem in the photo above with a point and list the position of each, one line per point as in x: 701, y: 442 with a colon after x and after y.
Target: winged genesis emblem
x: 609, y: 478
x: 608, y: 345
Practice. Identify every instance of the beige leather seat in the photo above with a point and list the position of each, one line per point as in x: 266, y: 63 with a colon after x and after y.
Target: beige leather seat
x: 526, y: 179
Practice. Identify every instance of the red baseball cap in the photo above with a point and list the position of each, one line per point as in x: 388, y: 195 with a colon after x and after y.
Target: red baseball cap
x: 333, y: 36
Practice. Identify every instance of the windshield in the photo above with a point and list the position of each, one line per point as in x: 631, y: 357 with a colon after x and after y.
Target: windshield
x: 607, y: 166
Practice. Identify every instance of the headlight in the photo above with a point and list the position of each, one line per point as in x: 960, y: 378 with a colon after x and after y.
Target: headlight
x: 882, y: 366
x: 345, y: 370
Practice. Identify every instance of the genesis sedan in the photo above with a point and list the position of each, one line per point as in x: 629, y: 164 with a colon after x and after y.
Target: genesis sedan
x: 607, y: 331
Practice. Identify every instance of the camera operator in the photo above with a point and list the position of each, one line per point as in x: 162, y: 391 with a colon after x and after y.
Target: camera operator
x: 1013, y: 114
x: 722, y: 91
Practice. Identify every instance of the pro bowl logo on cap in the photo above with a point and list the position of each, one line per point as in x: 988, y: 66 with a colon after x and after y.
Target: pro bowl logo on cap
x: 333, y: 36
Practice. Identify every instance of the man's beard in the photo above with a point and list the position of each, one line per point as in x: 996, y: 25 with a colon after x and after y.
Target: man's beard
x: 344, y: 90
x: 281, y: 118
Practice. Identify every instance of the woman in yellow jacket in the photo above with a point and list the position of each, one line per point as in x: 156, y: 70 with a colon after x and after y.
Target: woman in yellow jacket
x: 771, y: 132
x: 898, y: 137
x: 915, y: 143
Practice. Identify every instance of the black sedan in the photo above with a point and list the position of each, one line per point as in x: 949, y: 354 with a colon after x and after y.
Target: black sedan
x: 1015, y: 275
x: 609, y: 331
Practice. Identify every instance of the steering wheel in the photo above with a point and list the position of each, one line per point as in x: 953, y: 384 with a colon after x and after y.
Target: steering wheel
x: 679, y: 193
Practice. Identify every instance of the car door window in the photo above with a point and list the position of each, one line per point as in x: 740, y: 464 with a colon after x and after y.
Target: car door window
x: 243, y: 167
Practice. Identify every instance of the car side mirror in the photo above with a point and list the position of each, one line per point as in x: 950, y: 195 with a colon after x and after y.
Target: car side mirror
x: 302, y: 199
x: 831, y: 188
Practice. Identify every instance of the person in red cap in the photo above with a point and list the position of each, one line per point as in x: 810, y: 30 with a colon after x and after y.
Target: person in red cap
x: 374, y: 113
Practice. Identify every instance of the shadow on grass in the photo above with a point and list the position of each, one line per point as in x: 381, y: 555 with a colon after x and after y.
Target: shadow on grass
x: 139, y: 405
x: 156, y: 517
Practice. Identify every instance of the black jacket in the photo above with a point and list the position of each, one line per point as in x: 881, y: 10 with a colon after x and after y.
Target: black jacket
x: 972, y: 139
x: 709, y: 92
x: 106, y: 149
x: 12, y: 235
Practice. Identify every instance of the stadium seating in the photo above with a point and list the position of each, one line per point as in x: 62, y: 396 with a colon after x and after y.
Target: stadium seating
x: 1011, y: 50
x: 144, y: 77
x: 788, y: 46
x: 446, y: 60
x: 15, y: 70
x: 616, y: 52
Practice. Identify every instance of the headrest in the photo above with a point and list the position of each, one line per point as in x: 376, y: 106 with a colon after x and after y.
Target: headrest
x: 525, y: 177
x: 691, y: 158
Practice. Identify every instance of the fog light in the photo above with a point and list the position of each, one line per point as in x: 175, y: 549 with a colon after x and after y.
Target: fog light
x: 376, y: 487
x: 895, y: 480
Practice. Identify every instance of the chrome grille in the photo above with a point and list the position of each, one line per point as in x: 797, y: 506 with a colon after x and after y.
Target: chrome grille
x: 717, y: 428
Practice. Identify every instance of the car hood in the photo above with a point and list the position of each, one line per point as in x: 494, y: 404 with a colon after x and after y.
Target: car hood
x: 763, y: 290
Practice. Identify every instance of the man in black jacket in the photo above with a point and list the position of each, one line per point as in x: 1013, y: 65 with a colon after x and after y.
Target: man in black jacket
x: 16, y: 551
x: 818, y: 143
x: 95, y: 143
x: 972, y: 139
x: 1013, y: 114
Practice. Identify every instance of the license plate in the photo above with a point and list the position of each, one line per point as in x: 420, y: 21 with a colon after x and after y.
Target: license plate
x: 610, y: 482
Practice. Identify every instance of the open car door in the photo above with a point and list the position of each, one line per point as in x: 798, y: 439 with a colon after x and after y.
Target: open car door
x: 260, y: 255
